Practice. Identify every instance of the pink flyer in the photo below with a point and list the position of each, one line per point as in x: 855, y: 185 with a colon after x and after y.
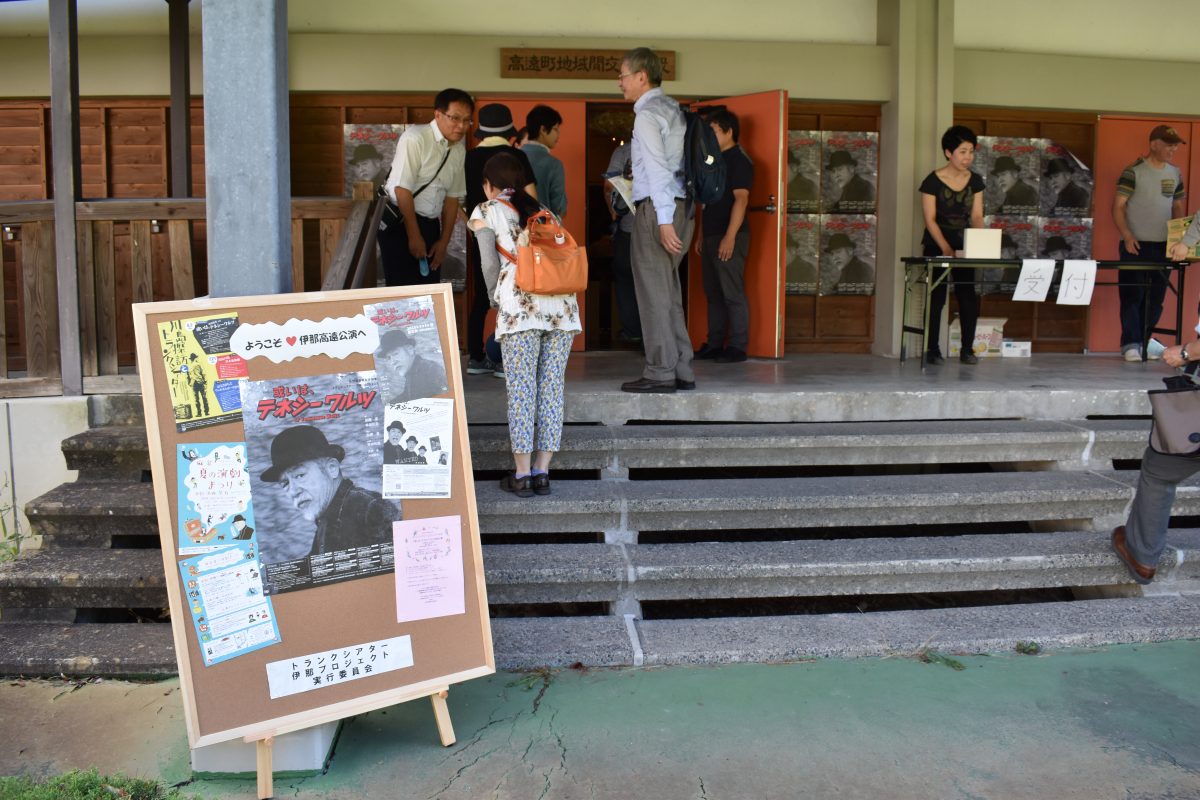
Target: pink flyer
x: 429, y: 568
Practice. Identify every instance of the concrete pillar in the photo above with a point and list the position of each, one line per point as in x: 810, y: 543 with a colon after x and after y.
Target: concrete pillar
x: 246, y: 152
x: 921, y: 106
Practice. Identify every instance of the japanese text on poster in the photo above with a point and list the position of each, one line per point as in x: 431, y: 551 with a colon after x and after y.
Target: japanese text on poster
x: 229, y: 612
x: 203, y: 375
x: 330, y: 667
x: 214, y: 496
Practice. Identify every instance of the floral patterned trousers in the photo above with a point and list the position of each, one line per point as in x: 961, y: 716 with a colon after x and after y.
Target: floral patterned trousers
x: 535, y: 365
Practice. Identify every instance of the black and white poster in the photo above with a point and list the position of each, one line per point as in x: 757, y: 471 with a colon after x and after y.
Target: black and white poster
x: 1065, y: 237
x: 409, y: 359
x: 1018, y: 241
x: 1012, y: 169
x: 1067, y: 184
x: 847, y: 254
x: 804, y: 172
x: 315, y: 460
x: 849, y: 172
x: 367, y: 152
x: 803, y: 253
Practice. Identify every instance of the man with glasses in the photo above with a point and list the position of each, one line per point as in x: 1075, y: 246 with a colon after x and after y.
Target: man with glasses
x: 428, y: 185
x: 662, y: 227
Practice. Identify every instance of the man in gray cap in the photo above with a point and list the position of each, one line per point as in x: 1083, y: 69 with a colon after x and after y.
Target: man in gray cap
x: 309, y: 471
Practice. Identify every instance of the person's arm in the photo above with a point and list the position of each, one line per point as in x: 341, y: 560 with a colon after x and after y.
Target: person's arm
x: 977, y: 210
x: 402, y: 182
x: 1125, y: 187
x: 1181, y: 355
x: 929, y: 210
x: 662, y: 193
x: 741, y: 199
x: 556, y: 192
x: 1191, y: 237
x: 408, y: 213
x: 437, y: 253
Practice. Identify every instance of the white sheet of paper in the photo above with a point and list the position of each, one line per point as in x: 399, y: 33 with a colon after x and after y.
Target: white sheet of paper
x: 429, y: 568
x: 1078, y: 280
x: 350, y: 663
x: 1036, y: 277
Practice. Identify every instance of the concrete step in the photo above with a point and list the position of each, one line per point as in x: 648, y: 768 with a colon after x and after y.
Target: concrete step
x: 528, y: 643
x: 109, y: 453
x: 623, y: 509
x: 119, y: 452
x: 89, y: 514
x: 728, y: 570
x: 84, y: 577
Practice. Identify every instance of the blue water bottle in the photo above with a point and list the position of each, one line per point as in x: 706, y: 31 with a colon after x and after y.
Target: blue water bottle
x: 424, y: 267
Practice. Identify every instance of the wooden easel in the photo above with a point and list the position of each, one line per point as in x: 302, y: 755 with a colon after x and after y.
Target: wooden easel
x: 264, y: 744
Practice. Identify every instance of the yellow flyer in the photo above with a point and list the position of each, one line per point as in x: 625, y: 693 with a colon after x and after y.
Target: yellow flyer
x: 204, y: 376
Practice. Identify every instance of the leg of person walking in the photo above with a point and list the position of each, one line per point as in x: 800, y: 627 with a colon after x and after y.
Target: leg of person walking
x: 937, y: 302
x: 968, y: 309
x: 1145, y: 532
x: 1131, y: 289
x: 626, y: 294
x: 555, y: 349
x: 718, y: 311
x: 521, y: 363
x: 732, y: 275
x: 480, y: 303
x: 660, y: 300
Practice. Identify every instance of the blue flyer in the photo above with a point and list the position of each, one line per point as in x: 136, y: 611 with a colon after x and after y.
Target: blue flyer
x: 225, y: 596
x: 214, y: 497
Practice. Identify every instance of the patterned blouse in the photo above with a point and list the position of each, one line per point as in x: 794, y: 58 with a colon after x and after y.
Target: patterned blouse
x: 517, y: 311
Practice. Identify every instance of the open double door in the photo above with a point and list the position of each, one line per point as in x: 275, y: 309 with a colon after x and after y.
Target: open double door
x: 763, y: 119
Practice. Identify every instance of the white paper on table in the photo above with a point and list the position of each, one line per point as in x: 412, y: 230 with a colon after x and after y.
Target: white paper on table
x: 1034, y: 283
x: 429, y: 568
x: 1078, y: 280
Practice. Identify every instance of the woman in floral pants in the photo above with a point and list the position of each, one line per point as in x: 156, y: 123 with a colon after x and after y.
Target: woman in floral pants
x: 534, y: 331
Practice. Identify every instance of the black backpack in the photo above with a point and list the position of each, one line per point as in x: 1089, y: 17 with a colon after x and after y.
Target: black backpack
x: 703, y: 164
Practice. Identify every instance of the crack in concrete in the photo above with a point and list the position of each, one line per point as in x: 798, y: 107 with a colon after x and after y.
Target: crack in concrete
x: 703, y: 791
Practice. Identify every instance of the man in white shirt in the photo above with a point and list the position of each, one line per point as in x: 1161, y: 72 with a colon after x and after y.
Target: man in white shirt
x: 662, y: 226
x: 428, y: 186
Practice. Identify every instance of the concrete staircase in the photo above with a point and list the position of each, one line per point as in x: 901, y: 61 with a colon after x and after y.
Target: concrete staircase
x: 692, y: 543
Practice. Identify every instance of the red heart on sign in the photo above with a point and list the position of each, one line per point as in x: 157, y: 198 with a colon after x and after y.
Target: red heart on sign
x: 291, y: 340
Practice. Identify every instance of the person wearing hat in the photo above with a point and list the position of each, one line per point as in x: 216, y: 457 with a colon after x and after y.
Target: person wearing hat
x: 1057, y: 248
x: 542, y: 126
x: 427, y: 184
x: 1069, y: 197
x: 847, y: 273
x: 366, y: 164
x: 198, y: 378
x: 405, y: 375
x: 393, y: 450
x: 803, y: 194
x: 855, y: 194
x: 308, y: 469
x: 952, y: 201
x: 1019, y: 196
x: 242, y: 531
x: 495, y: 134
x: 1149, y: 193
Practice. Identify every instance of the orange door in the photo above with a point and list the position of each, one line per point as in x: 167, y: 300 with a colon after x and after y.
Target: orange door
x: 763, y: 122
x: 572, y: 151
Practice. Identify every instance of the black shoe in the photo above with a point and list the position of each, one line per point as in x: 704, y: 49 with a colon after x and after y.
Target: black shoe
x: 732, y: 355
x: 521, y: 487
x: 686, y: 386
x: 968, y: 358
x: 706, y: 352
x: 934, y: 358
x: 541, y: 484
x: 644, y: 385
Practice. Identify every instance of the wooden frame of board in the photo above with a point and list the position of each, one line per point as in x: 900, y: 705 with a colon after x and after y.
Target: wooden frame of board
x: 230, y: 699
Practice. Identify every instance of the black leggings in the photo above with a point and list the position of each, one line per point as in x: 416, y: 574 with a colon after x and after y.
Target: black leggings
x: 968, y: 303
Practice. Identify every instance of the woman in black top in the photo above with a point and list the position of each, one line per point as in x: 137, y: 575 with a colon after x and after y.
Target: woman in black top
x: 952, y: 201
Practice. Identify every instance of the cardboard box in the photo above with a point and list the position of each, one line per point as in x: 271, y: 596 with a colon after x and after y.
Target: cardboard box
x: 989, y: 336
x: 1175, y: 230
x: 1011, y: 349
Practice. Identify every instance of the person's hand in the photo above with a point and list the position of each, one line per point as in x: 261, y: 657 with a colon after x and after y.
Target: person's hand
x: 948, y: 251
x: 416, y: 247
x: 699, y: 246
x: 437, y: 253
x: 1179, y: 251
x: 1132, y: 245
x: 669, y: 239
x: 725, y: 251
x: 1174, y: 356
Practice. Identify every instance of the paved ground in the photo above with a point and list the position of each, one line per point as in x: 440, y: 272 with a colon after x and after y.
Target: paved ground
x: 1119, y: 722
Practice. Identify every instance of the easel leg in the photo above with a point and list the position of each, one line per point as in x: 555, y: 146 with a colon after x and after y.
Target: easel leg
x: 441, y: 712
x: 263, y: 759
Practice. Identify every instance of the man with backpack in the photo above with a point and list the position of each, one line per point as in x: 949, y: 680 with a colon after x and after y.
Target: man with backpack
x: 662, y: 225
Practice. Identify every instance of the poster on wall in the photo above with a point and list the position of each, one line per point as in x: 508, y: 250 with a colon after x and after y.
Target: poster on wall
x: 1012, y: 169
x: 849, y: 172
x: 367, y: 152
x: 316, y: 462
x: 804, y: 172
x: 1018, y: 241
x: 1067, y: 184
x: 213, y: 497
x: 416, y: 453
x: 409, y: 357
x: 803, y: 253
x: 847, y: 254
x: 203, y: 375
x: 1065, y: 237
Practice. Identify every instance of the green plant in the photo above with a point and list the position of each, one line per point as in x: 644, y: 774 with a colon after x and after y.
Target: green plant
x: 934, y: 657
x: 1028, y: 648
x: 89, y: 785
x: 10, y: 533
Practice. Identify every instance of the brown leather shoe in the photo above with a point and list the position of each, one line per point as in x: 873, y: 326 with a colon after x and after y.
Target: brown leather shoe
x: 643, y: 385
x: 521, y: 487
x: 541, y: 484
x: 1139, y: 572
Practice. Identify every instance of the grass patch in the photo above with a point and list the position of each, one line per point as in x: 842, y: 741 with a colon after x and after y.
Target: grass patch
x: 89, y: 785
x: 934, y: 657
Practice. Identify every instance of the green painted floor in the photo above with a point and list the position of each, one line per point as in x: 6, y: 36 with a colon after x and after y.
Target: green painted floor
x: 1118, y: 722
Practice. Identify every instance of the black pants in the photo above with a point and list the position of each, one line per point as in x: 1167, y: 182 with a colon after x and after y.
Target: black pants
x: 1141, y: 294
x: 968, y: 303
x: 479, y: 302
x: 399, y: 266
x: 626, y: 295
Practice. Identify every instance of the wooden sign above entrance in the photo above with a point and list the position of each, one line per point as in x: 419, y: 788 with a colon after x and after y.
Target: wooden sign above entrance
x: 537, y: 62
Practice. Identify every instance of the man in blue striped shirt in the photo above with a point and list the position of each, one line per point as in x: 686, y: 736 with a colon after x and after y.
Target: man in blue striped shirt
x: 662, y: 226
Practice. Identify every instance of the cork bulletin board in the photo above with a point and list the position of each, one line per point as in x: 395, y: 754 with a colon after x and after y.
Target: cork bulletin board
x: 273, y: 573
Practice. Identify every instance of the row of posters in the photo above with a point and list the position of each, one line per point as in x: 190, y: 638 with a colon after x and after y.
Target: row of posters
x: 314, y: 493
x: 831, y: 253
x: 832, y: 172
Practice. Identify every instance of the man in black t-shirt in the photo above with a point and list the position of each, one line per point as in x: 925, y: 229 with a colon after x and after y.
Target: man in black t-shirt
x: 723, y: 247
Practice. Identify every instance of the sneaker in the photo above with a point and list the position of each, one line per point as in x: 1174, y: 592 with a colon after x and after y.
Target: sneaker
x: 480, y: 366
x: 1133, y: 354
x: 497, y: 370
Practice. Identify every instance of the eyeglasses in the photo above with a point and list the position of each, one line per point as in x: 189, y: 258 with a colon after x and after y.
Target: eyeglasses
x: 457, y: 120
x: 623, y: 75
